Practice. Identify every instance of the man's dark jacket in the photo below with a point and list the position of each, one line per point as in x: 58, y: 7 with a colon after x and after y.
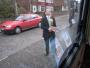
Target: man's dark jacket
x: 45, y: 27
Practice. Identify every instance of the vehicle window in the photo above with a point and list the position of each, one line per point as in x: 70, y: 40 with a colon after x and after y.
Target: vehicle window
x: 24, y: 17
x: 19, y: 18
x: 55, y: 40
x: 27, y: 17
x: 33, y: 16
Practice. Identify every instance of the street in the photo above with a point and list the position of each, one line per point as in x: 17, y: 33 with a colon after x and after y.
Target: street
x: 10, y: 44
x: 26, y: 50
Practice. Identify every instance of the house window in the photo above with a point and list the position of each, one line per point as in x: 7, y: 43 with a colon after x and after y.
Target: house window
x: 42, y: 8
x: 34, y: 0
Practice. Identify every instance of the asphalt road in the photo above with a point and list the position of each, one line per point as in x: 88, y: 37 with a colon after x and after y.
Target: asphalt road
x: 26, y: 50
x: 10, y: 44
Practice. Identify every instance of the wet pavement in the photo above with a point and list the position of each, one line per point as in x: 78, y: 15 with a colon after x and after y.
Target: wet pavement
x: 30, y: 54
x: 29, y: 57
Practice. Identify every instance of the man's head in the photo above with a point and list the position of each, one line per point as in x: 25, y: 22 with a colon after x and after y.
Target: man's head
x: 48, y: 12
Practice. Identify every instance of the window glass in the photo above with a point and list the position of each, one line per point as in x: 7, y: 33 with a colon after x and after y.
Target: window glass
x: 26, y: 50
x: 19, y: 18
x: 34, y: 0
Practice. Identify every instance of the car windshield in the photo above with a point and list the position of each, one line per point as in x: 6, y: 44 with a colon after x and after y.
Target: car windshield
x: 19, y: 18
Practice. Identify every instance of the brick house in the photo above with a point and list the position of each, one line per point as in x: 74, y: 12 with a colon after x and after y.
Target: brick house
x: 26, y: 6
x: 58, y: 5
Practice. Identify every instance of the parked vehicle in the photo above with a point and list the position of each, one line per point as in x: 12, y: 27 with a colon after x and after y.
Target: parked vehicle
x: 22, y: 22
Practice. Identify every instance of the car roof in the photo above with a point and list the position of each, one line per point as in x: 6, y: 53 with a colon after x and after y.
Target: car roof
x: 30, y: 14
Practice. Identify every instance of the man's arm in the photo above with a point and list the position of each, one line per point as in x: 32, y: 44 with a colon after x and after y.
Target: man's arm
x: 54, y: 22
x: 43, y: 24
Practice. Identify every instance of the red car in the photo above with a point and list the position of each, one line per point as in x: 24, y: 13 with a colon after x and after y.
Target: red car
x: 22, y: 22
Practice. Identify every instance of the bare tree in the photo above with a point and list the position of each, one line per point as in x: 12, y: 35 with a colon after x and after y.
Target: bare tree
x: 15, y: 6
x: 6, y: 8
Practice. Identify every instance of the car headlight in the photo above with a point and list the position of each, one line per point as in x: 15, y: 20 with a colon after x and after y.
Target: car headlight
x: 8, y: 26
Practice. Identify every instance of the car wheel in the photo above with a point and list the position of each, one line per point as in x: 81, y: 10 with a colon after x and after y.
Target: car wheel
x: 18, y: 30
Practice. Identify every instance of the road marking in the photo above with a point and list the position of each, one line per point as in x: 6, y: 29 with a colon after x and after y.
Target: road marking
x: 4, y: 58
x: 67, y: 39
x: 63, y: 27
x: 18, y: 50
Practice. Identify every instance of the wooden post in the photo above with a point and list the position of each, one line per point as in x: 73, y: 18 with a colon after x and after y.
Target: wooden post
x: 30, y: 5
x: 16, y: 7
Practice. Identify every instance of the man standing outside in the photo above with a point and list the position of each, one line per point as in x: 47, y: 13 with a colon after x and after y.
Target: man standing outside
x: 48, y: 26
